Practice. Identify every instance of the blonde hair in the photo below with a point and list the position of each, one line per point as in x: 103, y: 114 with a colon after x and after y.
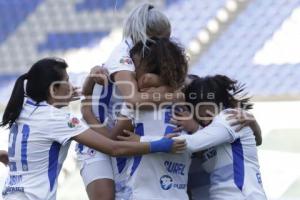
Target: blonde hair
x: 144, y: 22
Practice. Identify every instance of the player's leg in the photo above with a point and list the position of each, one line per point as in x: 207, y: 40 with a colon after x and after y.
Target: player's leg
x: 97, y: 175
x: 101, y: 189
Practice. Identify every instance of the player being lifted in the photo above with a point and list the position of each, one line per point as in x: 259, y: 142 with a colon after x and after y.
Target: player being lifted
x: 144, y: 22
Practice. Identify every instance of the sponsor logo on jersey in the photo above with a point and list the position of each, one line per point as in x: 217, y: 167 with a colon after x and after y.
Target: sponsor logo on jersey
x: 91, y: 152
x: 258, y: 176
x: 209, y: 154
x: 166, y: 182
x: 174, y: 167
x: 73, y: 122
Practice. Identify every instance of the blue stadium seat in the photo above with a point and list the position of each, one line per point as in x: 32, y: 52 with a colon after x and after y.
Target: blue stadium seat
x: 13, y: 13
x: 65, y: 41
x: 236, y: 47
x: 171, y: 2
x: 91, y: 5
x: 5, y: 79
x: 187, y: 24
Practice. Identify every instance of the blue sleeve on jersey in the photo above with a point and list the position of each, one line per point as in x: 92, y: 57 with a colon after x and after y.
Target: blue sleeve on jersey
x: 162, y: 145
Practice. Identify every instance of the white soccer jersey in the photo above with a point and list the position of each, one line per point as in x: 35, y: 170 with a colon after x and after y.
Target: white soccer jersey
x: 38, y: 145
x: 230, y: 158
x: 154, y: 176
x: 120, y: 59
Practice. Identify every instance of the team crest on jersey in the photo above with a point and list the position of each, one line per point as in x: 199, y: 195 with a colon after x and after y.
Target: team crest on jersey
x: 91, y: 152
x: 73, y: 122
x: 126, y: 61
x: 166, y: 182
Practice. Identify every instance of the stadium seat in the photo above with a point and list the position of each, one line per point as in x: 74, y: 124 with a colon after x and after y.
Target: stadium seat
x: 65, y: 41
x: 236, y: 47
x: 91, y: 5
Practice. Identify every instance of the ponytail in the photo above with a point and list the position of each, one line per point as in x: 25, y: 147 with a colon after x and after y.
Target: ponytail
x: 144, y: 22
x: 15, y: 104
x: 39, y: 79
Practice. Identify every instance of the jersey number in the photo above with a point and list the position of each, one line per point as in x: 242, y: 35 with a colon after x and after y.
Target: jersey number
x: 12, y: 147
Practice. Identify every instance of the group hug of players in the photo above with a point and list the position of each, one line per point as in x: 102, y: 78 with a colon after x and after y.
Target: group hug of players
x: 149, y: 130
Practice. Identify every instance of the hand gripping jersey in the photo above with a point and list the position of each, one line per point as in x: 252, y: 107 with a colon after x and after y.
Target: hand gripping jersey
x: 230, y: 159
x: 154, y: 176
x: 38, y: 145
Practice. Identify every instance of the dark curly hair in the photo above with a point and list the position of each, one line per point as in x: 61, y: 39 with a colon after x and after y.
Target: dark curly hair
x: 218, y: 89
x: 163, y: 57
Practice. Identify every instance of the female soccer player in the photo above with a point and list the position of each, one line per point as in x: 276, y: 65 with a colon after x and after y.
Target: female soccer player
x: 230, y: 156
x: 41, y: 131
x: 144, y: 22
x: 162, y: 57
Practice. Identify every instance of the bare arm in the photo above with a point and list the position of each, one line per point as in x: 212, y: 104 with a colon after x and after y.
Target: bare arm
x: 88, y: 85
x: 210, y: 136
x: 110, y: 147
x: 91, y: 120
x: 118, y: 148
x: 97, y: 75
x: 86, y: 104
x: 257, y: 132
x: 123, y: 123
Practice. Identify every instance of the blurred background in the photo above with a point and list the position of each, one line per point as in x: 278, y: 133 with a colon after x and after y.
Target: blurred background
x: 254, y: 41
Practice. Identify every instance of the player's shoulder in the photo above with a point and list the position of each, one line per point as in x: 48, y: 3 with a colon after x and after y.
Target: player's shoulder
x: 120, y: 59
x: 123, y: 47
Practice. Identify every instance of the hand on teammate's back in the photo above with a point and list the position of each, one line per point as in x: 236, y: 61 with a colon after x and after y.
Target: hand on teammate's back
x: 240, y: 118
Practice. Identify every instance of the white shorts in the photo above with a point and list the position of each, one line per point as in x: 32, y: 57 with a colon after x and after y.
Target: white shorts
x: 94, y: 165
